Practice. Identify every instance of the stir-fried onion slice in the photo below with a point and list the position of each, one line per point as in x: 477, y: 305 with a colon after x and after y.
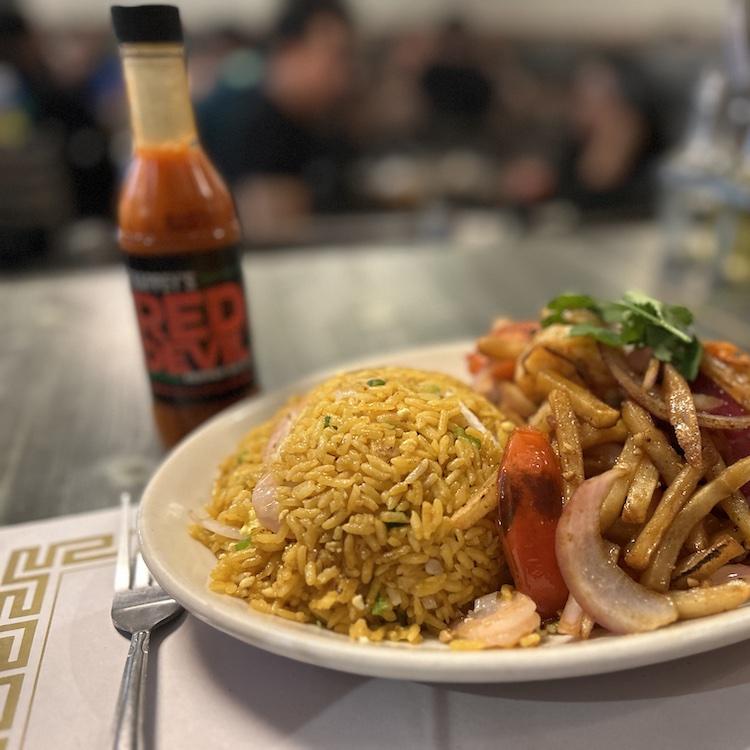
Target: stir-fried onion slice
x: 659, y: 572
x: 603, y: 589
x: 629, y: 382
x: 682, y: 414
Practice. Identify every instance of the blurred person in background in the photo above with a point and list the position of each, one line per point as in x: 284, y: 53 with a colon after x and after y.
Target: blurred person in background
x: 265, y: 131
x: 458, y: 91
x: 54, y: 163
x: 614, y: 138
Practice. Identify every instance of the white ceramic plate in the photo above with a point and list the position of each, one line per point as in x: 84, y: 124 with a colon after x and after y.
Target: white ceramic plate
x: 181, y: 565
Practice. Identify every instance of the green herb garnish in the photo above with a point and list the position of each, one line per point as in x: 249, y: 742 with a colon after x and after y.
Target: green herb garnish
x: 244, y: 544
x: 327, y: 420
x: 460, y: 432
x: 636, y: 320
x: 380, y: 606
x: 430, y: 388
x: 396, y: 524
x: 375, y: 382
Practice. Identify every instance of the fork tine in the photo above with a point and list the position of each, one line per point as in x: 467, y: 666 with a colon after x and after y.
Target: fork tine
x: 141, y: 574
x: 122, y: 568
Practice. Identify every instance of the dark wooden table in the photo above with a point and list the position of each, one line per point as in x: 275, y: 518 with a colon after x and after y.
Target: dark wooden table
x: 76, y: 425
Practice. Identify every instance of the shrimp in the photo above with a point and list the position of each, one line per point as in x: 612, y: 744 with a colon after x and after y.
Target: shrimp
x: 499, y: 620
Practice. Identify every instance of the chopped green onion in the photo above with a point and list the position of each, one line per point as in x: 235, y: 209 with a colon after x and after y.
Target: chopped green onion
x: 380, y: 606
x: 241, y: 457
x: 375, y: 382
x: 460, y: 432
x: 244, y: 544
x: 327, y: 420
x: 430, y: 388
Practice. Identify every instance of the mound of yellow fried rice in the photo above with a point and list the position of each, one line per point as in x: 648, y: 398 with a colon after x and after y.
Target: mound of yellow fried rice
x: 367, y: 478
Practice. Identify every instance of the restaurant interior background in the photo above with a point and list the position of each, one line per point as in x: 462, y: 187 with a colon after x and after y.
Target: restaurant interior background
x: 460, y: 121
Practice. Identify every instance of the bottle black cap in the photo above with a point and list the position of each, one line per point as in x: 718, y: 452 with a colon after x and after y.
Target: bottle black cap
x: 147, y: 23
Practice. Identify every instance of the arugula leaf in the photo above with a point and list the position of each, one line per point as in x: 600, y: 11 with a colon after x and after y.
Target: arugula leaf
x: 637, y: 320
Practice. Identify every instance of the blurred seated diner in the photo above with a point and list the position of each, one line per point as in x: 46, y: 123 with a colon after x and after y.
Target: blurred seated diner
x: 268, y: 136
x: 54, y: 162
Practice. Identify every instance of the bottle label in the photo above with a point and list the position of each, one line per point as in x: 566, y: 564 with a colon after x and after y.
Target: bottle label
x: 194, y: 327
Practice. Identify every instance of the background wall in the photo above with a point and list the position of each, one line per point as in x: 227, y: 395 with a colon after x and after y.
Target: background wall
x: 569, y: 18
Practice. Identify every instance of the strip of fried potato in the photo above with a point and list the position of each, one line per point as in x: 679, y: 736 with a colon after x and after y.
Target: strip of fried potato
x: 682, y: 414
x: 568, y: 441
x: 641, y: 490
x: 659, y: 572
x: 591, y: 436
x: 585, y: 404
x: 735, y: 506
x: 652, y: 440
x: 710, y: 600
x: 697, y: 539
x: 478, y: 505
x: 627, y: 463
x: 722, y: 549
x: 674, y: 498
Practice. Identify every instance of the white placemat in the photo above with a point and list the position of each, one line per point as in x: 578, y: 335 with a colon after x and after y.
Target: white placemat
x: 61, y: 660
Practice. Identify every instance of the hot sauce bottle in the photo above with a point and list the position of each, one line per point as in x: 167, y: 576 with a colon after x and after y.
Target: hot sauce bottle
x: 179, y: 232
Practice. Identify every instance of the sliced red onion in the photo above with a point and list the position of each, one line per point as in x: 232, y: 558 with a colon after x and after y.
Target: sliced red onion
x: 730, y: 573
x: 264, y: 498
x: 605, y: 592
x: 266, y: 503
x: 571, y: 619
x: 222, y: 529
x: 474, y: 421
x: 629, y: 382
x: 281, y: 432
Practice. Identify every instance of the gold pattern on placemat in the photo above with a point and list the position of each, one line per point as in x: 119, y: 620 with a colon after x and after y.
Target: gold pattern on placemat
x: 28, y: 576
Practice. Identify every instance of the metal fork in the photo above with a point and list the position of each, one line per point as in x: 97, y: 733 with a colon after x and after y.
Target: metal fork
x: 139, y: 606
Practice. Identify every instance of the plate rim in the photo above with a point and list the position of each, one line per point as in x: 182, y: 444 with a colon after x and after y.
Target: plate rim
x: 433, y: 663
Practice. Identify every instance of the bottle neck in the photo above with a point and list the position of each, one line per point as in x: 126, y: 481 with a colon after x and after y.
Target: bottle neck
x: 161, y: 112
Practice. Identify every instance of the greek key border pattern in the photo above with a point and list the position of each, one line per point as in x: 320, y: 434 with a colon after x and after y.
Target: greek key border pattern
x: 27, y: 578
